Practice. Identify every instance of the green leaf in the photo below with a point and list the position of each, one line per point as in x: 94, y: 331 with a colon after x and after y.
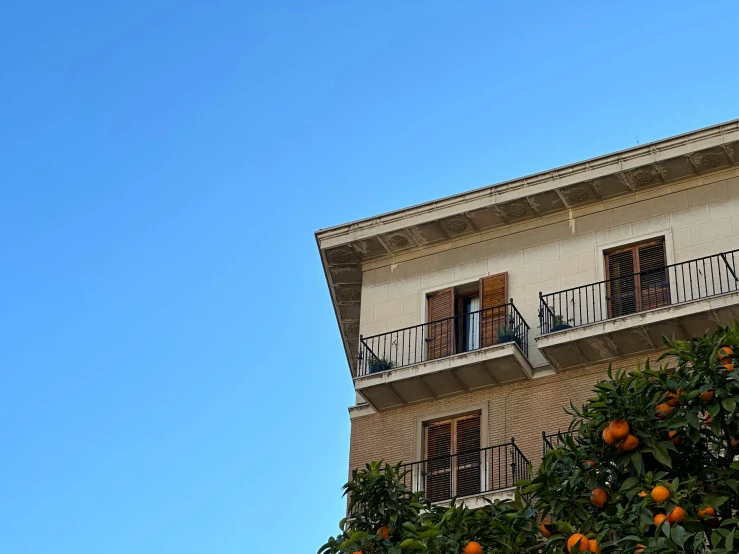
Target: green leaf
x: 630, y: 483
x: 715, y: 499
x: 692, y: 418
x: 694, y: 435
x: 677, y: 423
x: 716, y: 427
x: 678, y: 535
x: 661, y: 455
x: 713, y: 409
x: 637, y: 461
x: 729, y: 404
x: 412, y: 544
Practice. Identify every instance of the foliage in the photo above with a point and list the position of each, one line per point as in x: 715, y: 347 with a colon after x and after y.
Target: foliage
x: 380, y: 360
x: 559, y: 320
x: 509, y: 329
x: 690, y: 448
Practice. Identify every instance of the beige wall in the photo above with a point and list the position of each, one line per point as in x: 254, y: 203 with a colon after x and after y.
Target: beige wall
x: 699, y: 217
x: 521, y: 410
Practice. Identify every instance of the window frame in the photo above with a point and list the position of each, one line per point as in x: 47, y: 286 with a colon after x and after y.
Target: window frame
x: 601, y: 250
x: 419, y: 446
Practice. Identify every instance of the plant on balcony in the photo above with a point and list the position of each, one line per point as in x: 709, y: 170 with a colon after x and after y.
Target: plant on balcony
x: 650, y: 465
x: 376, y: 364
x: 509, y: 332
x: 559, y: 322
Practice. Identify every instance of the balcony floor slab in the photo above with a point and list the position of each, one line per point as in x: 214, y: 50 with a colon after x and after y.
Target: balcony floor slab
x: 444, y: 377
x: 635, y: 334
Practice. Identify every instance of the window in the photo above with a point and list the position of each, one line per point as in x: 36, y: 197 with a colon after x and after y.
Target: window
x: 452, y: 451
x: 637, y: 279
x: 467, y: 317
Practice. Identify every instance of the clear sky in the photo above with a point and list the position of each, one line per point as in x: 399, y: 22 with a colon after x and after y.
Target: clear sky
x: 171, y: 374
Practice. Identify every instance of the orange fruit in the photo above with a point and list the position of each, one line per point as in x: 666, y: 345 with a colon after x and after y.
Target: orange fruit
x: 659, y: 518
x: 676, y: 515
x: 728, y: 366
x: 724, y: 353
x: 472, y: 548
x: 578, y: 543
x: 642, y: 493
x: 619, y: 429
x: 709, y: 511
x: 639, y: 548
x: 546, y: 528
x: 673, y: 438
x: 707, y: 396
x: 629, y: 443
x: 589, y: 464
x: 663, y: 410
x: 733, y: 442
x: 608, y: 437
x: 384, y: 532
x: 594, y: 547
x: 660, y: 493
x: 707, y: 420
x: 598, y: 498
x: 672, y: 401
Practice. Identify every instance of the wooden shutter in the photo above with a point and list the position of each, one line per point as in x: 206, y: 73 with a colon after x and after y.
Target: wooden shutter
x: 439, y: 461
x: 468, y: 456
x: 620, y: 267
x: 453, y: 458
x: 440, y: 328
x: 653, y: 281
x: 637, y: 280
x: 493, y: 293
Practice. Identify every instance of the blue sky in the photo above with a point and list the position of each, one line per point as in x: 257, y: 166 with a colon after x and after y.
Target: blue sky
x: 171, y: 374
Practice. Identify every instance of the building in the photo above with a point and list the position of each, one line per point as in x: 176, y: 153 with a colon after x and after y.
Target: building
x: 470, y: 322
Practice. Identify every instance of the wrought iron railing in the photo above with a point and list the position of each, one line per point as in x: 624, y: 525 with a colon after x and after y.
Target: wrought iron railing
x: 468, y: 473
x: 444, y: 337
x: 551, y: 441
x: 629, y: 294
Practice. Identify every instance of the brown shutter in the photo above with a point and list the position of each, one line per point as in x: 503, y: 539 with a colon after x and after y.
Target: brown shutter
x: 439, y: 461
x: 621, y: 284
x: 440, y: 328
x: 493, y: 296
x: 637, y: 280
x: 468, y: 456
x: 653, y: 281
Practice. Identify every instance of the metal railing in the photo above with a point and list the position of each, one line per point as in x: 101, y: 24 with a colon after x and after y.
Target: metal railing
x: 468, y: 473
x: 551, y: 441
x: 629, y: 294
x: 444, y: 337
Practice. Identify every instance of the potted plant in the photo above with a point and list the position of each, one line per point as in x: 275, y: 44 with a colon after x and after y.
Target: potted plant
x: 559, y: 323
x: 375, y: 364
x: 508, y: 332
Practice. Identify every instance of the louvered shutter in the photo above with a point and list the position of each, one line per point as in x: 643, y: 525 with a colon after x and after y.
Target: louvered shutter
x: 493, y: 297
x: 468, y: 456
x: 440, y: 329
x: 621, y: 284
x: 439, y: 462
x: 653, y: 282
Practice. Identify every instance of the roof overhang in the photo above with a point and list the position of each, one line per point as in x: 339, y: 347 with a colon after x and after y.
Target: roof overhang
x: 345, y: 248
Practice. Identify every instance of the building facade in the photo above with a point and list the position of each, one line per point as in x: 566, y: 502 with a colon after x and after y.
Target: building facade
x: 470, y: 323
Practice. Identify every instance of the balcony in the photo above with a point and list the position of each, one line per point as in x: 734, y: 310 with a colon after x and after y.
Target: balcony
x: 628, y: 315
x: 442, y: 358
x: 552, y: 440
x: 476, y: 473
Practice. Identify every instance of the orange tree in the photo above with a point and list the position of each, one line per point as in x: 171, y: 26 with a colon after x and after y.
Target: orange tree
x: 649, y: 465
